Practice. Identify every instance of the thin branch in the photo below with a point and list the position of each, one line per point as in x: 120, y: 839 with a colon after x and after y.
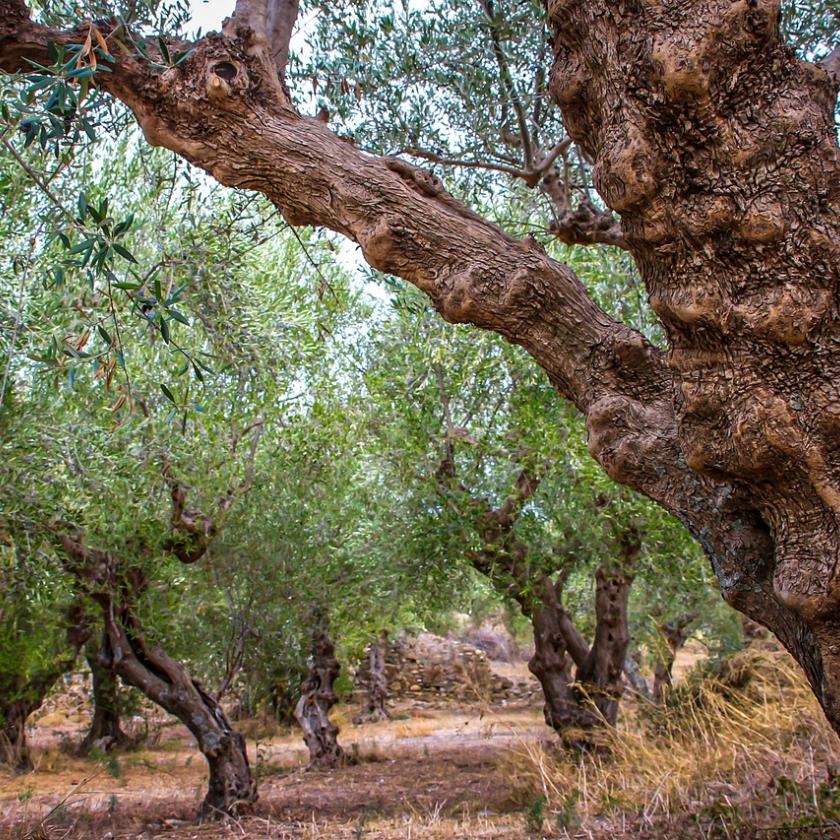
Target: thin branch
x: 831, y: 63
x: 425, y: 154
x: 507, y: 82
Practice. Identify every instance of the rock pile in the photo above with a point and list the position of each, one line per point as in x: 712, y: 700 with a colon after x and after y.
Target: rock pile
x: 430, y: 668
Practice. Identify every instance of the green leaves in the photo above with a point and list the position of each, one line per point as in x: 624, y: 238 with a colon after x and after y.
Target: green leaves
x: 168, y: 394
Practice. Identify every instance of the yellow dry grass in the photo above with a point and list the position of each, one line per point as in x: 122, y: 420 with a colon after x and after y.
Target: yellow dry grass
x: 711, y: 751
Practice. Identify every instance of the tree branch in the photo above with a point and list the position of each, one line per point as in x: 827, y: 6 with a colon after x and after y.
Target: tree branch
x: 433, y: 157
x: 507, y: 82
x: 831, y: 63
x: 282, y: 15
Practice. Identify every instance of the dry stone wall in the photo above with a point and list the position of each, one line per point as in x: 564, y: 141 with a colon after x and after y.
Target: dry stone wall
x: 430, y: 668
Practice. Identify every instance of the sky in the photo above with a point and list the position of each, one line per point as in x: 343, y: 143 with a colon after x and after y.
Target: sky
x: 209, y: 14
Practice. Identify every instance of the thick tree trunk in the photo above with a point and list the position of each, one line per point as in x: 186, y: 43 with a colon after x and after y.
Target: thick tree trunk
x: 599, y: 677
x: 673, y: 636
x: 717, y: 147
x: 105, y: 733
x: 680, y: 106
x: 377, y: 684
x: 231, y: 789
x: 313, y: 708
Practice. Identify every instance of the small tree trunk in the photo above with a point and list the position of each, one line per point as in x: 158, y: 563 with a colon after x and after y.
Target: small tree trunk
x: 105, y: 733
x: 317, y: 698
x: 14, y: 750
x: 377, y: 685
x: 550, y: 663
x: 21, y: 694
x: 673, y: 638
x: 551, y: 666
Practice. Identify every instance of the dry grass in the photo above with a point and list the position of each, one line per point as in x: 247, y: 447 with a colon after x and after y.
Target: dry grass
x: 745, y: 747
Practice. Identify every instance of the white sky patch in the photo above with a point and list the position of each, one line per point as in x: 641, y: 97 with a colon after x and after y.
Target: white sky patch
x: 209, y: 14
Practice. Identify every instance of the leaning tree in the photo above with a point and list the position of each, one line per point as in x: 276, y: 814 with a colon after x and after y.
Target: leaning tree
x: 715, y: 144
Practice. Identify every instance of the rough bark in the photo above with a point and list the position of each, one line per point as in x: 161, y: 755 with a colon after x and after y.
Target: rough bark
x: 673, y: 635
x: 105, y: 733
x: 599, y: 675
x: 316, y: 700
x: 376, y: 695
x: 716, y: 147
x: 22, y: 694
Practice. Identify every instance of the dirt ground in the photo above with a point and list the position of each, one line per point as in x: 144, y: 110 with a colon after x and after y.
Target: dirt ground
x: 422, y: 767
x: 430, y: 773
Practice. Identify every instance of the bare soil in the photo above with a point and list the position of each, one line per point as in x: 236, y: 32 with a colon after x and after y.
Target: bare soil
x: 426, y: 766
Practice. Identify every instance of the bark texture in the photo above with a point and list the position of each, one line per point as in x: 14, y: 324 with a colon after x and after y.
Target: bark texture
x: 317, y: 698
x: 22, y: 694
x: 105, y: 733
x: 377, y: 687
x: 634, y: 676
x: 716, y: 147
x: 551, y: 664
x: 600, y: 675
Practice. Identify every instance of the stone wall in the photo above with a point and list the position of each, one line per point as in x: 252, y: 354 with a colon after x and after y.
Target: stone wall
x: 430, y: 668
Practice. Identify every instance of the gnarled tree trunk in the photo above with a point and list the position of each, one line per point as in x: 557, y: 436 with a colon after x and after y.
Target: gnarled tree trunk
x: 551, y: 664
x: 599, y: 676
x: 105, y: 733
x: 231, y: 789
x: 317, y: 698
x: 376, y: 694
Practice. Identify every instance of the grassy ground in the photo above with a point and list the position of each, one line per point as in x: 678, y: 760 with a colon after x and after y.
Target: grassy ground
x: 743, y: 753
